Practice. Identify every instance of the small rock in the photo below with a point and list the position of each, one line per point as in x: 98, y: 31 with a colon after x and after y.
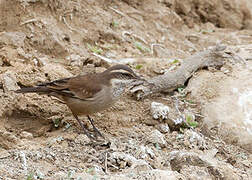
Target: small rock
x: 75, y: 60
x: 42, y: 61
x: 178, y: 159
x: 159, y: 110
x: 56, y: 140
x: 26, y: 135
x: 7, y: 140
x: 9, y: 81
x: 145, y: 151
x: 157, y: 138
x: 163, y: 128
x: 55, y: 71
x: 82, y: 139
x: 225, y: 70
x: 22, y: 53
x: 10, y: 137
x: 194, y: 139
x: 39, y: 174
x: 124, y: 160
x: 89, y: 68
x: 150, y: 152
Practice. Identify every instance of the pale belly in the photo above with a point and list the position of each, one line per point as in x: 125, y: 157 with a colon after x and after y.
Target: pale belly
x: 96, y: 104
x: 81, y: 107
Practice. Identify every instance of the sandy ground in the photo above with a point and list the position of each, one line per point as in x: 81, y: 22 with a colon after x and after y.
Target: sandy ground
x: 46, y: 40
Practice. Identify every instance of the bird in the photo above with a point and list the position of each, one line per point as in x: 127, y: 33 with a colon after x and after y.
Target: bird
x: 89, y: 93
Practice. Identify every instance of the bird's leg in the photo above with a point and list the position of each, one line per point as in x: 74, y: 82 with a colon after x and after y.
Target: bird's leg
x: 94, y: 128
x: 85, y: 130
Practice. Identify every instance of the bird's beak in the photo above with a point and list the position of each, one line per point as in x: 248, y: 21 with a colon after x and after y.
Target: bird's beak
x: 140, y: 78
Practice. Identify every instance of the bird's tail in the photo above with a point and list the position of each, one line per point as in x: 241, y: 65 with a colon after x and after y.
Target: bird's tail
x: 36, y: 89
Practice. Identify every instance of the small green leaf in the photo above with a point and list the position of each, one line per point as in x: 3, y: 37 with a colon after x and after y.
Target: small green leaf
x: 139, y: 66
x: 190, y: 122
x: 193, y: 124
x: 141, y: 47
x: 29, y: 176
x: 115, y: 24
x: 188, y: 118
x: 175, y: 61
x: 94, y: 49
x: 57, y: 122
x: 180, y: 89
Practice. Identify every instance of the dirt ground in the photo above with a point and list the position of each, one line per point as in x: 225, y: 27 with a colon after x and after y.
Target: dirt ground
x: 44, y: 40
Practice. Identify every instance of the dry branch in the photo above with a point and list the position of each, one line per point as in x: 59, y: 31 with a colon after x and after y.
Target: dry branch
x: 213, y: 57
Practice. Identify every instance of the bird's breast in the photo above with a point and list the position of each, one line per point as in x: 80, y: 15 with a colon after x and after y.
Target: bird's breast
x: 102, y: 100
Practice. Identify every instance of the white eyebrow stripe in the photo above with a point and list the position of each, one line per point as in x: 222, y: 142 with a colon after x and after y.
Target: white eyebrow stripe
x: 120, y: 71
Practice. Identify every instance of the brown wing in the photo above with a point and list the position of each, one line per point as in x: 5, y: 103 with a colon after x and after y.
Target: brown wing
x: 81, y: 87
x: 84, y: 87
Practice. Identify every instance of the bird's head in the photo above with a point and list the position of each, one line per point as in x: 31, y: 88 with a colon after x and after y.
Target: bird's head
x: 121, y: 74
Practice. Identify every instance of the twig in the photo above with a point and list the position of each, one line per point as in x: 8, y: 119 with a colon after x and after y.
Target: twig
x: 117, y: 11
x: 140, y: 38
x: 113, y: 165
x: 29, y: 21
x: 72, y: 29
x: 152, y: 47
x: 104, y: 58
x: 199, y: 115
x: 134, y: 36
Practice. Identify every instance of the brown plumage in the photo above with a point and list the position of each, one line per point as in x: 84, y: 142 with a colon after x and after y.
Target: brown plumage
x: 90, y: 93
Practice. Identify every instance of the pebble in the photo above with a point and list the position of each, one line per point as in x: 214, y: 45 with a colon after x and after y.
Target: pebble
x: 163, y: 128
x: 26, y: 135
x: 156, y: 137
x: 159, y: 110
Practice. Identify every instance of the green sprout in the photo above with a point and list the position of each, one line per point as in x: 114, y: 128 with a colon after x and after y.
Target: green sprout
x: 190, y: 122
x: 175, y: 61
x: 181, y: 89
x: 114, y: 24
x: 94, y: 49
x: 29, y: 176
x: 141, y: 47
x: 57, y: 122
x: 139, y: 66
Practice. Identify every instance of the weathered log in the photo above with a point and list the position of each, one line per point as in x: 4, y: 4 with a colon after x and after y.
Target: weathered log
x: 212, y: 57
